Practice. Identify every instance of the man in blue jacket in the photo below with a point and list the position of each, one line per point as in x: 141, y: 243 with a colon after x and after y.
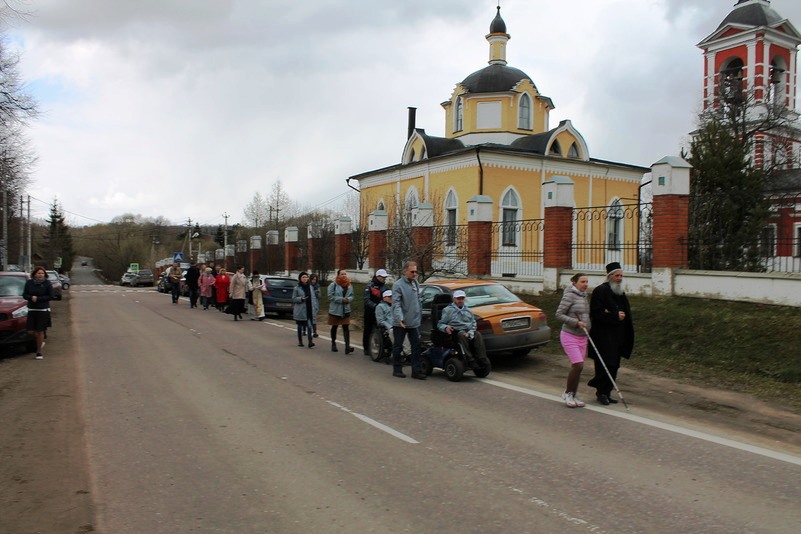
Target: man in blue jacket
x: 459, y: 322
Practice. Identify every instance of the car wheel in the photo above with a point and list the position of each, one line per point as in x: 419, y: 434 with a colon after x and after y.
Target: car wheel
x: 426, y: 365
x: 65, y: 286
x: 454, y: 369
x: 376, y: 345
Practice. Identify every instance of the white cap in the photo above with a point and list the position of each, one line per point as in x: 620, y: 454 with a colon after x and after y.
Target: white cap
x: 382, y: 273
x: 458, y: 293
x: 387, y: 293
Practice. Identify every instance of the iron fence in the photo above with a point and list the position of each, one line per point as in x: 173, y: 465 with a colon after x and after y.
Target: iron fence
x: 517, y: 248
x: 445, y: 253
x: 620, y: 232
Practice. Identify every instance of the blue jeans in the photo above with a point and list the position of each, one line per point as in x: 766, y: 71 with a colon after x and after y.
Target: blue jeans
x: 176, y: 291
x: 399, y: 334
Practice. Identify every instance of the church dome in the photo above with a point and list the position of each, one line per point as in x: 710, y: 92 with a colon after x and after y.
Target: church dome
x: 494, y: 79
x: 498, y: 25
x: 751, y: 13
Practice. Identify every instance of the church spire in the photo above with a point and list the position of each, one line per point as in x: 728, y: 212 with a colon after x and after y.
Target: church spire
x: 497, y: 38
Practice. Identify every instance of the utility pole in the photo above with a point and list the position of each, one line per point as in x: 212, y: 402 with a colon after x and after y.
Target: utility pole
x: 28, y: 255
x: 189, y: 235
x: 225, y: 231
x: 21, y: 230
x: 5, y: 230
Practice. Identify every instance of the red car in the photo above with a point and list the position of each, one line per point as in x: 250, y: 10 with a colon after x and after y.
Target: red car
x: 14, y: 311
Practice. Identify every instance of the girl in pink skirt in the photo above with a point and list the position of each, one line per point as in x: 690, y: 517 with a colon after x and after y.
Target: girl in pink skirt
x: 574, y: 314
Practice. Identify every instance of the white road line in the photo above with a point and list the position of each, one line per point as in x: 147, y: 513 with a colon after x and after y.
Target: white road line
x: 658, y: 424
x: 381, y: 426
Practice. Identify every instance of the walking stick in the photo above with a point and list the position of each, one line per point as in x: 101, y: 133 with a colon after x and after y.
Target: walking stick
x: 619, y: 393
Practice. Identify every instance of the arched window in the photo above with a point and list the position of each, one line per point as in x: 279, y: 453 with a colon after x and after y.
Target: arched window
x: 451, y: 203
x: 573, y: 151
x: 458, y: 119
x: 556, y: 149
x: 614, y: 225
x: 731, y: 82
x: 411, y: 202
x: 777, y: 86
x: 524, y: 112
x: 510, y: 210
x: 381, y: 206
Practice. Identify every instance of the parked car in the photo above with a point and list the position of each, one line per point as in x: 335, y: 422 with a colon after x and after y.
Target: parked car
x: 144, y: 277
x: 127, y: 278
x: 14, y: 311
x: 506, y: 323
x: 277, y: 294
x: 56, y: 282
x: 65, y: 280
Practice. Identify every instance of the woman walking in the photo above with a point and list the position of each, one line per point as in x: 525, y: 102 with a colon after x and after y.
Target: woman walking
x: 206, y: 287
x: 340, y: 296
x: 574, y: 314
x: 237, y: 291
x: 314, y: 283
x: 38, y: 292
x: 256, y: 306
x: 221, y: 284
x: 306, y: 307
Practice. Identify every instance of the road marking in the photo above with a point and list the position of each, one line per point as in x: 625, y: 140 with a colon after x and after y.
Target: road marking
x: 381, y: 426
x: 753, y: 449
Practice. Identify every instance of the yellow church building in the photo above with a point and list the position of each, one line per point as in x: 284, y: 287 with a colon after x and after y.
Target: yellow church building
x: 499, y: 148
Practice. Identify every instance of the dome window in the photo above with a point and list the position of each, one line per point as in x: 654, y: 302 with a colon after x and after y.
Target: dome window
x: 556, y: 149
x: 524, y: 112
x: 458, y: 119
x: 573, y: 151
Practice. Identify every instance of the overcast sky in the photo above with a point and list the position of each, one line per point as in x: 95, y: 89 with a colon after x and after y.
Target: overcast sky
x: 186, y: 108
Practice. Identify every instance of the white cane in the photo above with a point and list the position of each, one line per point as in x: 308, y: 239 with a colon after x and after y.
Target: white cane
x: 614, y: 384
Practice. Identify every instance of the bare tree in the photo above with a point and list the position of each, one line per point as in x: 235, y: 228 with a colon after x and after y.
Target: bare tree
x: 256, y: 212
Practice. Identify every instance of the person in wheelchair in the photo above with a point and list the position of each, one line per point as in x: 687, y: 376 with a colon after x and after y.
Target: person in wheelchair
x: 459, y: 323
x: 383, y: 319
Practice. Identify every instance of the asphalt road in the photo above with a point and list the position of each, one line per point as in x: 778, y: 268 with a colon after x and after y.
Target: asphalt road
x: 197, y: 423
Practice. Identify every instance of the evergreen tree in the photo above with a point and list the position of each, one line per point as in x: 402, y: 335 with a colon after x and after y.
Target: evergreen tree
x: 728, y: 209
x: 57, y: 240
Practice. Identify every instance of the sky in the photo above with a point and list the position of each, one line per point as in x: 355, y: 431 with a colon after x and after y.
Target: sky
x: 184, y: 109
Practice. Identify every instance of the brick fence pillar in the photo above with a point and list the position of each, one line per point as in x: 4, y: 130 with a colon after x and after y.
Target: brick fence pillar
x: 377, y: 240
x: 290, y: 249
x: 557, y: 230
x: 230, y: 252
x: 343, y: 243
x: 671, y: 220
x: 255, y: 254
x: 479, y: 236
x: 423, y: 236
x: 272, y: 252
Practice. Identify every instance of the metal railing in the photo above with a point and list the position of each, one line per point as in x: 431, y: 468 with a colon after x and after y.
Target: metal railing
x: 517, y: 248
x: 621, y: 233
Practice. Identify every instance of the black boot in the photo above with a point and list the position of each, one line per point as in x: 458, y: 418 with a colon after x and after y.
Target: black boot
x: 348, y: 348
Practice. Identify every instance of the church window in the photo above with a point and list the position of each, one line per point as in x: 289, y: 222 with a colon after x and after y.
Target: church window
x: 556, y: 149
x: 510, y: 209
x: 573, y: 151
x: 450, y: 218
x: 731, y: 82
x: 381, y: 206
x: 412, y: 201
x: 614, y: 225
x: 524, y: 115
x: 458, y: 121
x: 767, y: 241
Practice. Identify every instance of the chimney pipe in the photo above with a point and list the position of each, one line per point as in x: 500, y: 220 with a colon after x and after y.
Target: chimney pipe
x: 412, y: 112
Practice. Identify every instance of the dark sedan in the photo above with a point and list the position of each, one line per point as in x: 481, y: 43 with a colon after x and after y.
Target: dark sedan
x: 277, y: 294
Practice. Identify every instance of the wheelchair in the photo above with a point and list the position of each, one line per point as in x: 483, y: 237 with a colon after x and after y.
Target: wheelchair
x: 446, y: 352
x: 381, y: 347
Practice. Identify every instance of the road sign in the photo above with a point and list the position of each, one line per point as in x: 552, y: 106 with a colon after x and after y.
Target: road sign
x: 134, y: 268
x: 177, y: 257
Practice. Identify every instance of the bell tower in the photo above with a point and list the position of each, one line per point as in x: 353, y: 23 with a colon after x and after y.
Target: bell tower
x: 750, y: 60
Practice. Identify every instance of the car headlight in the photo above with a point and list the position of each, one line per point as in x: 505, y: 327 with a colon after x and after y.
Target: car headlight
x: 20, y: 312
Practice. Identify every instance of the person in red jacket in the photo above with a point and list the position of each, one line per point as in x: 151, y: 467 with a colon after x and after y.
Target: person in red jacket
x: 221, y: 284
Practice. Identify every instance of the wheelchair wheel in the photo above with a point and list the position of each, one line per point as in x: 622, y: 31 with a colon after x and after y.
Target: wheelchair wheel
x: 454, y: 369
x: 376, y: 342
x: 426, y: 364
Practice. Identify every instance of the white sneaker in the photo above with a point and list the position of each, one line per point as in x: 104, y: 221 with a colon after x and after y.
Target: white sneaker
x: 39, y: 356
x: 570, y: 402
x: 579, y: 403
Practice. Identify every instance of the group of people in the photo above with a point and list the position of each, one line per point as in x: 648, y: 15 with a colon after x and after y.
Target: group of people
x: 605, y: 320
x: 214, y: 286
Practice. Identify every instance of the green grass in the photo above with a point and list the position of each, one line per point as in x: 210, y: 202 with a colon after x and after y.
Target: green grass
x: 753, y: 348
x: 740, y: 346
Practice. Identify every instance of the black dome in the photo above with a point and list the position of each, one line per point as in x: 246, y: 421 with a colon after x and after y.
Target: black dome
x: 752, y: 15
x: 498, y: 25
x: 494, y: 79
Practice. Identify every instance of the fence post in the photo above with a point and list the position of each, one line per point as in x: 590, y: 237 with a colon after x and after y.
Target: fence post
x: 255, y: 253
x: 377, y: 239
x: 290, y: 249
x: 671, y: 218
x: 312, y: 243
x: 343, y: 243
x: 557, y: 230
x: 271, y: 238
x: 479, y: 236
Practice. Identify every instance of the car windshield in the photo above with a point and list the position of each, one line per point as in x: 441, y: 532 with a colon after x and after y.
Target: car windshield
x: 52, y: 275
x: 489, y: 294
x: 11, y: 286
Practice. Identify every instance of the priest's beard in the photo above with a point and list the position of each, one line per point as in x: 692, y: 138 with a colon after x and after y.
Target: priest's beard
x: 617, y: 288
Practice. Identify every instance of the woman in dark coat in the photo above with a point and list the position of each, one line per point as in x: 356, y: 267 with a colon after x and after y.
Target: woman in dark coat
x: 38, y: 292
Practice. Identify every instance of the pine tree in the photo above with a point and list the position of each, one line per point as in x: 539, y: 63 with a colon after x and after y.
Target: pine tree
x: 57, y: 240
x: 728, y: 209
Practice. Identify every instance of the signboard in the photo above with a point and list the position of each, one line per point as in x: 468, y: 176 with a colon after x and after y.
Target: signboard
x: 177, y: 257
x: 134, y: 268
x: 57, y: 263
